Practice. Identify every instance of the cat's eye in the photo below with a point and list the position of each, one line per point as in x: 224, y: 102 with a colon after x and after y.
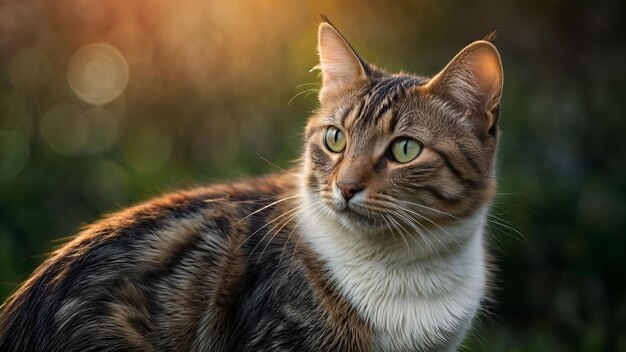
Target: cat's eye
x: 405, y: 149
x: 334, y: 139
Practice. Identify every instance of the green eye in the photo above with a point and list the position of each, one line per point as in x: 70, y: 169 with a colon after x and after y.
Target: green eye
x: 335, y: 139
x: 404, y: 150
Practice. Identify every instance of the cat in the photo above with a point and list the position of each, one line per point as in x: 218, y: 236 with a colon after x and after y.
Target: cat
x: 373, y: 242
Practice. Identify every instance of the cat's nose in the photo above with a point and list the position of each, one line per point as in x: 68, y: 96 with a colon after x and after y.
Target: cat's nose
x: 349, y: 188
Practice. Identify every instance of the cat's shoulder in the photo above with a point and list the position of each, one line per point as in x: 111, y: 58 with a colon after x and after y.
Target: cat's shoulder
x: 232, y: 199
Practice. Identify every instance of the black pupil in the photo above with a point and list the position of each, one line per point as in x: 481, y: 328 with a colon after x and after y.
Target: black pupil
x: 405, y: 146
x: 336, y: 135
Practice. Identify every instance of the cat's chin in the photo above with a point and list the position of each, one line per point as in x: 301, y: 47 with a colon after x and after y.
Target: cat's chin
x: 357, y: 221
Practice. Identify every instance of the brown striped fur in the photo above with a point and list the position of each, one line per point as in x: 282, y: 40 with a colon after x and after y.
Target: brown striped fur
x: 173, y: 274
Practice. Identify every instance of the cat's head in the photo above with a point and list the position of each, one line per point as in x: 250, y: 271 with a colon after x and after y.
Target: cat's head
x: 385, y: 149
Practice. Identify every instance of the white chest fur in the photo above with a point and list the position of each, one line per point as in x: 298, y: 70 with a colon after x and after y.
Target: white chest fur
x: 413, y: 304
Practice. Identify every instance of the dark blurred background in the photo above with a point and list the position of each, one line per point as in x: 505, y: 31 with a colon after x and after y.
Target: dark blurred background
x: 107, y: 103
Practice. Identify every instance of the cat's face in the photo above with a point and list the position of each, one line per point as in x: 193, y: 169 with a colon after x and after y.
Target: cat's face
x: 385, y: 151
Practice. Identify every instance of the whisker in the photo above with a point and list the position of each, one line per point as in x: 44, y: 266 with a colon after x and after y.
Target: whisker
x: 316, y: 212
x: 267, y: 206
x: 405, y: 209
x: 265, y: 225
x: 277, y: 232
x: 269, y: 162
x: 390, y: 228
x: 432, y: 222
x: 309, y: 84
x: 298, y: 94
x: 502, y: 223
x: 411, y: 222
x: 291, y: 233
x: 393, y: 222
x: 404, y: 214
x: 408, y: 233
x: 291, y: 211
x: 394, y: 199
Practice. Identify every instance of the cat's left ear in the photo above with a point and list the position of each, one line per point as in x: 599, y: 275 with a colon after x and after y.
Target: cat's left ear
x: 340, y: 65
x: 472, y: 80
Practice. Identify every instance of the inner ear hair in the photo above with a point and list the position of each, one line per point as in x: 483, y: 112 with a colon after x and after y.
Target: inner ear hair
x: 472, y: 80
x: 341, y: 66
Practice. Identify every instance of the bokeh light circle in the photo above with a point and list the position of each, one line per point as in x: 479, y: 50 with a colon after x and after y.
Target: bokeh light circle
x: 98, y: 73
x: 64, y: 129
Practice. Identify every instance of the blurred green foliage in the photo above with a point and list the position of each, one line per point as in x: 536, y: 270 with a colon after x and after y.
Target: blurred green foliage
x: 216, y: 88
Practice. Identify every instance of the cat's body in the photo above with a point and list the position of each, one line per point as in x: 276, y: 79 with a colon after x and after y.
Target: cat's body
x: 373, y: 243
x: 181, y: 273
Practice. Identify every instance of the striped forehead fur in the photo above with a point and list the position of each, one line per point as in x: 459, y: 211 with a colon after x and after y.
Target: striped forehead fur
x: 381, y: 94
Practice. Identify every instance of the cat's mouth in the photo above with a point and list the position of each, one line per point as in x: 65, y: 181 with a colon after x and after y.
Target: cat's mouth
x: 354, y: 213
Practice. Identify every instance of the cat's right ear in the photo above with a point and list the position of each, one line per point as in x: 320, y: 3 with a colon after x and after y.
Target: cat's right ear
x: 340, y: 65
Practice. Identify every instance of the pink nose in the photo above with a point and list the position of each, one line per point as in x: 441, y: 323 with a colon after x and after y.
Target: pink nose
x: 349, y: 188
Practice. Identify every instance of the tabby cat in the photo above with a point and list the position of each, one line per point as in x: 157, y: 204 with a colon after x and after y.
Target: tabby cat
x: 374, y: 242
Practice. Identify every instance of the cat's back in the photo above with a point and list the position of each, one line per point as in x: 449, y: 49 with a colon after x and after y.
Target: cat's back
x: 157, y: 276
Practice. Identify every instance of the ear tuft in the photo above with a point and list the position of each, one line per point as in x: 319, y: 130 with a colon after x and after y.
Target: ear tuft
x: 339, y: 64
x: 473, y: 79
x: 491, y: 37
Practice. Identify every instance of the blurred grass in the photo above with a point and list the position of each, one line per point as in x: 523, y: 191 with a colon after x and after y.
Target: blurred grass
x: 210, y: 97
